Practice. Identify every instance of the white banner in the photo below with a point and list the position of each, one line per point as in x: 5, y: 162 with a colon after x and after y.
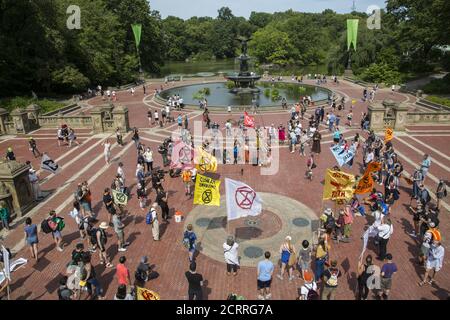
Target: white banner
x: 48, y: 164
x: 342, y: 156
x: 242, y: 201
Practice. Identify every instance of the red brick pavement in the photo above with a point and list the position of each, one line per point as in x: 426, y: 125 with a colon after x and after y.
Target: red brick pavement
x: 170, y: 257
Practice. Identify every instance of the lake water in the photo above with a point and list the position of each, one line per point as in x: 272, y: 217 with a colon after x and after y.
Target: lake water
x: 230, y: 66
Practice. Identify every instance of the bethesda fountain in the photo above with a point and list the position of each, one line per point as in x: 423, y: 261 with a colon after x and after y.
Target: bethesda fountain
x: 244, y: 81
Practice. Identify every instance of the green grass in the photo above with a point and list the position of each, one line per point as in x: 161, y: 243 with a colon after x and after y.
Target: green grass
x: 439, y: 100
x: 22, y: 102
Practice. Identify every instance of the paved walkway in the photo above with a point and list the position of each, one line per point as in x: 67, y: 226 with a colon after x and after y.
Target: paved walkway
x: 169, y: 257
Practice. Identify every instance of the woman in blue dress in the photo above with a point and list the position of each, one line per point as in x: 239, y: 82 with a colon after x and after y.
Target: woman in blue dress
x: 31, y: 237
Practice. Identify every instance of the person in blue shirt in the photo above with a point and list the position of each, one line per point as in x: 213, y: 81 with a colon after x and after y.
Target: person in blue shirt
x: 332, y: 121
x: 189, y: 239
x: 235, y: 153
x: 180, y: 120
x: 264, y: 279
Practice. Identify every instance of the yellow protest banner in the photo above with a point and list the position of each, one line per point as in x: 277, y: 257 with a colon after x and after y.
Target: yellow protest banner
x: 206, y: 191
x: 204, y: 161
x: 146, y: 294
x: 388, y: 135
x: 338, y: 185
x: 119, y: 197
x: 365, y: 185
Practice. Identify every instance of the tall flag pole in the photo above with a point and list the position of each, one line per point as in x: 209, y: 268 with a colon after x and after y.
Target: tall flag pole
x: 137, y: 31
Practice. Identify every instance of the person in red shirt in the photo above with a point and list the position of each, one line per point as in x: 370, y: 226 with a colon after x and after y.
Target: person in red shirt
x: 122, y: 273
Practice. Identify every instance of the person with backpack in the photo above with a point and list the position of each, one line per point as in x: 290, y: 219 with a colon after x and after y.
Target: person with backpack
x: 309, y: 289
x: 385, y: 230
x: 119, y: 230
x: 80, y: 219
x: 64, y: 293
x: 161, y: 200
x: 189, y: 238
x: 89, y: 278
x: 143, y: 272
x: 101, y: 240
x: 122, y: 293
x: 152, y: 220
x: 54, y: 224
x: 365, y: 270
x: 304, y: 258
x: 31, y: 237
x: 321, y: 259
x: 230, y: 251
x: 330, y: 279
x: 423, y: 195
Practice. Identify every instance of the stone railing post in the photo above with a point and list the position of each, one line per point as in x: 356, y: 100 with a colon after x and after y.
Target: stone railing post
x: 400, y: 113
x: 120, y: 117
x: 97, y: 120
x: 20, y: 119
x: 376, y: 115
x: 3, y: 116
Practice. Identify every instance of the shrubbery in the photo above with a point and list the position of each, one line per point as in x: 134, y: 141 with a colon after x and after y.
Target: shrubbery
x: 438, y: 86
x: 381, y: 73
x: 22, y: 102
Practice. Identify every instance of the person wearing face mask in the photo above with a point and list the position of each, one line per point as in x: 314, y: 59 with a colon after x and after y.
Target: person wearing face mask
x: 434, y: 262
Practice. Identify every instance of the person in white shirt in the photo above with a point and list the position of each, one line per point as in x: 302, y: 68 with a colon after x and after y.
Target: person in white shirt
x: 148, y: 157
x: 230, y: 251
x: 229, y: 109
x: 369, y: 157
x: 385, y: 231
x: 34, y: 180
x: 228, y: 128
x: 434, y: 262
x: 121, y: 173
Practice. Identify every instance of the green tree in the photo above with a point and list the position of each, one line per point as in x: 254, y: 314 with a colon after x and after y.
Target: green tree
x: 271, y: 45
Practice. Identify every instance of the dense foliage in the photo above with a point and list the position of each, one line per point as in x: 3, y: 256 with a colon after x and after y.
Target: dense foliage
x: 438, y: 86
x: 39, y: 53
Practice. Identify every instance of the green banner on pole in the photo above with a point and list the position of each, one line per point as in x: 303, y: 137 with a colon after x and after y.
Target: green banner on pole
x: 352, y: 32
x: 137, y: 30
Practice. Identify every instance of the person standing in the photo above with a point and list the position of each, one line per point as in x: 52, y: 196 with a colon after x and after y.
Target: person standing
x: 156, y: 117
x: 230, y: 251
x: 387, y: 271
x: 264, y: 277
x: 107, y: 150
x: 119, y: 230
x: 144, y: 89
x: 186, y: 122
x: 385, y: 231
x: 55, y: 223
x: 288, y: 258
x: 425, y: 166
x: 187, y: 178
x: 89, y: 277
x: 189, y: 238
x: 317, y: 137
x: 101, y: 239
x: 153, y: 221
x: 135, y: 136
x: 434, y: 262
x: 150, y: 117
x: 161, y: 199
x: 330, y: 278
x: 122, y: 272
x: 321, y: 258
x: 31, y: 238
x: 195, y: 281
x: 10, y: 156
x: 304, y: 258
x: 309, y: 290
x: 441, y: 193
x: 33, y: 147
x: 364, y: 273
x: 4, y: 215
x: 72, y: 137
x: 148, y: 159
x: 119, y: 137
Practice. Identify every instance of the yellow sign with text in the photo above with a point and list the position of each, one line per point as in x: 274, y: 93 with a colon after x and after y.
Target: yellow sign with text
x: 206, y: 191
x: 338, y: 185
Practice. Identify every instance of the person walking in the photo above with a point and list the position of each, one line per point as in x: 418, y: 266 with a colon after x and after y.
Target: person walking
x: 330, y: 278
x: 33, y: 147
x: 321, y: 258
x: 310, y: 165
x: 150, y: 117
x: 387, y: 271
x: 288, y: 258
x: 4, y: 215
x: 152, y: 219
x: 365, y: 270
x: 385, y: 231
x: 101, y: 240
x: 135, y: 136
x: 189, y: 238
x: 89, y: 278
x: 195, y: 281
x: 31, y: 238
x: 186, y: 175
x: 317, y: 137
x: 122, y: 272
x: 107, y: 150
x: 264, y: 277
x: 309, y: 289
x: 56, y: 224
x: 230, y: 251
x: 425, y: 166
x: 119, y: 138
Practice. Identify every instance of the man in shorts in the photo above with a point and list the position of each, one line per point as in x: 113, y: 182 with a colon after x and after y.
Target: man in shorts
x: 387, y: 271
x: 264, y: 279
x: 109, y: 204
x: 119, y: 230
x: 434, y: 262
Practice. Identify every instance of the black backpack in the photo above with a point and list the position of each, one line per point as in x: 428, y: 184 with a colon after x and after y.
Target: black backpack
x: 140, y: 276
x: 45, y: 227
x: 331, y: 222
x: 65, y: 294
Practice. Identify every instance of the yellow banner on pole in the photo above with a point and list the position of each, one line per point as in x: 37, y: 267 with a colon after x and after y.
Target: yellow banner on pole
x: 206, y: 191
x: 388, y: 135
x: 146, y: 294
x: 204, y: 161
x: 338, y: 185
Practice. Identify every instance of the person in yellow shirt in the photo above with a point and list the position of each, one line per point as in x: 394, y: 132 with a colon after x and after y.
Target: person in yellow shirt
x: 186, y: 175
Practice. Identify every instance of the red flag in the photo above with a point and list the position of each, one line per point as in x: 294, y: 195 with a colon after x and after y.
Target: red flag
x: 249, y: 121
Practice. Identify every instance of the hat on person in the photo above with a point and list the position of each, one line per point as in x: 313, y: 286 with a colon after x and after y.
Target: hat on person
x: 144, y: 259
x: 104, y: 225
x: 9, y: 149
x: 328, y: 211
x: 288, y: 238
